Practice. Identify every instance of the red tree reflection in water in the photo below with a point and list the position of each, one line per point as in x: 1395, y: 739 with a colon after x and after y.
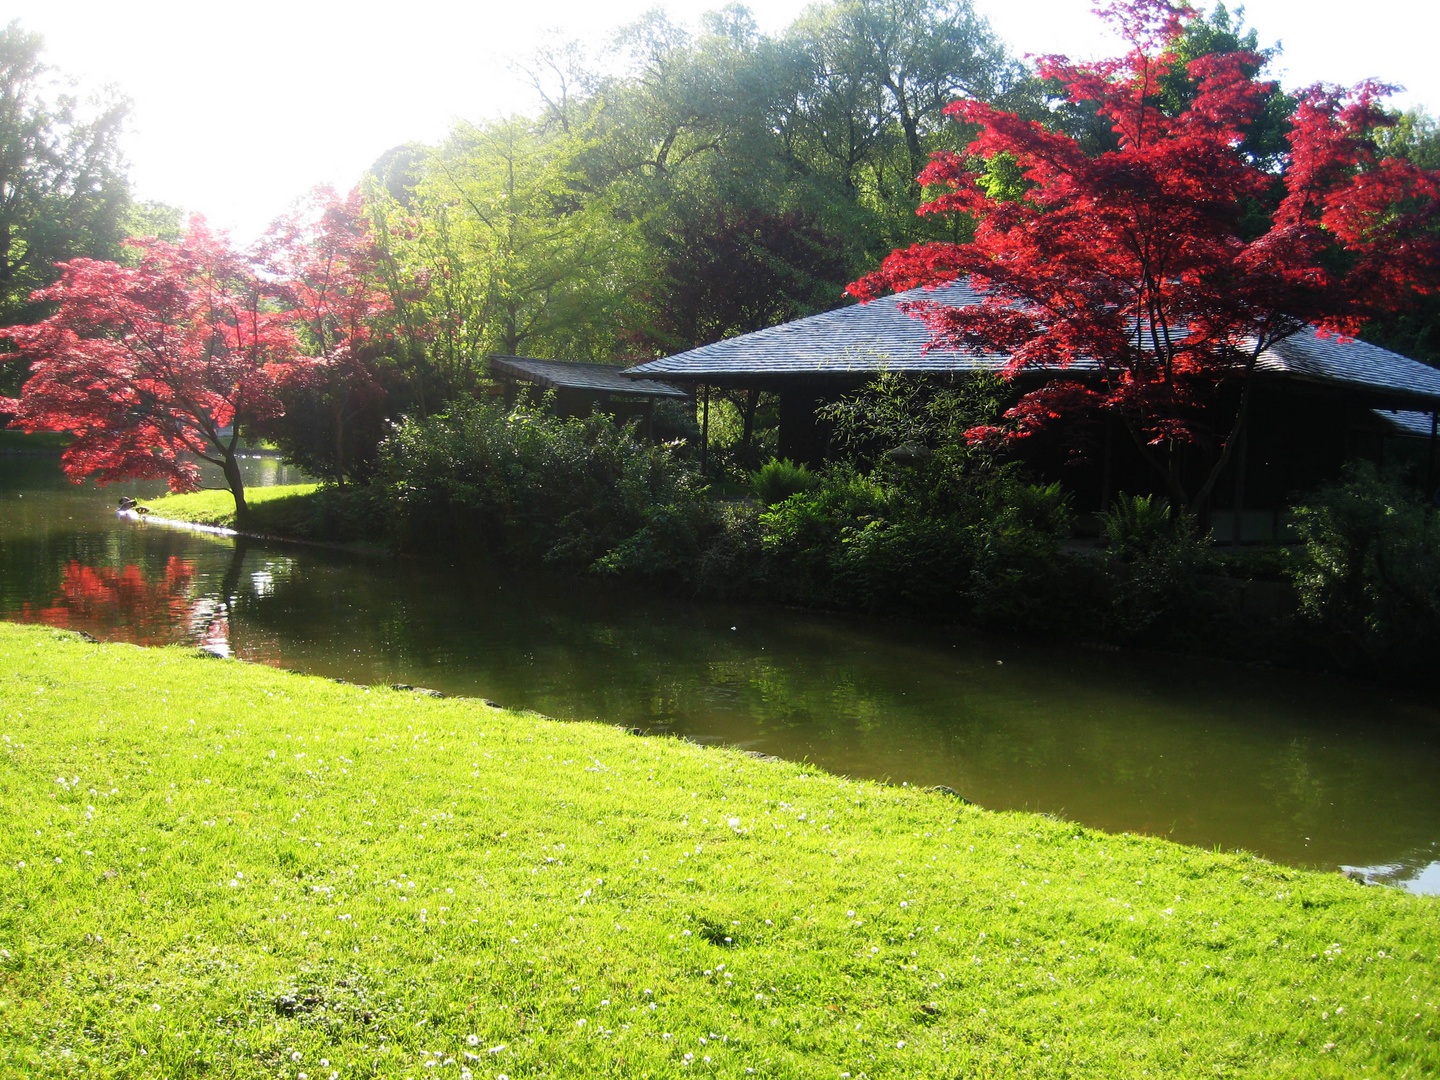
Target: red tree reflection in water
x: 123, y: 605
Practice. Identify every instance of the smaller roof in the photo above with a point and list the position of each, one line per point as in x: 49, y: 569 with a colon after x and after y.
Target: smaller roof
x: 1406, y: 423
x: 1373, y: 373
x: 574, y: 375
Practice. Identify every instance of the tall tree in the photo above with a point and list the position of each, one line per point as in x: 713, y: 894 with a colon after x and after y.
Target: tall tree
x: 63, y: 192
x: 512, y: 251
x: 1140, y: 263
x: 325, y: 265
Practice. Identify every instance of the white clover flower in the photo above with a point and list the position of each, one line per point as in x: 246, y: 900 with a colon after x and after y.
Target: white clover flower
x: 472, y: 1040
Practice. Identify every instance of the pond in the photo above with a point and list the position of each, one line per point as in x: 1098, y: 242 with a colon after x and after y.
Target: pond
x: 1304, y: 770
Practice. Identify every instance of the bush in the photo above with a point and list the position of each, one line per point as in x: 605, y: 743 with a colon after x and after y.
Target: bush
x: 525, y: 484
x: 1160, y: 592
x: 777, y: 480
x: 1369, y: 574
x: 1137, y: 524
x: 853, y: 542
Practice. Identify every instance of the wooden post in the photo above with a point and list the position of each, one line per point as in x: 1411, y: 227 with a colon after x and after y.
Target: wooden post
x: 1108, y: 475
x: 1235, y: 526
x: 1430, y: 465
x: 705, y: 430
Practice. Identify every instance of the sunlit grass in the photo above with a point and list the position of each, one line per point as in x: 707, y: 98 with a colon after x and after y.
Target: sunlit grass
x: 210, y: 868
x: 276, y: 508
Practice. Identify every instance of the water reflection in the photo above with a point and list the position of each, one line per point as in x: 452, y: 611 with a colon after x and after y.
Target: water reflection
x: 119, y: 605
x: 1304, y: 770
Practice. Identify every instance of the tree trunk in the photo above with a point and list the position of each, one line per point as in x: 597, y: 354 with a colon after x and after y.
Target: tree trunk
x: 236, y: 483
x: 752, y: 399
x: 340, y: 437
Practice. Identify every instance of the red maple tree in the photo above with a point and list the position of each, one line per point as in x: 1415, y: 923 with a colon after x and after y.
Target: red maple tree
x: 1133, y: 281
x: 156, y: 365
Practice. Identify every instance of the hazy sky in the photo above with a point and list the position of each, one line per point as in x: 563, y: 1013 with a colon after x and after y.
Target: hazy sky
x: 239, y: 109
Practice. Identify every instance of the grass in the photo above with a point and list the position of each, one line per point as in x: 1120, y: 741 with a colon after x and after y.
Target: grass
x: 354, y: 515
x: 210, y: 868
x: 278, y: 509
x: 42, y: 442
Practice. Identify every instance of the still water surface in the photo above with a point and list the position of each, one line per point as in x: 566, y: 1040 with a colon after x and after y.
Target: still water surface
x: 1300, y: 769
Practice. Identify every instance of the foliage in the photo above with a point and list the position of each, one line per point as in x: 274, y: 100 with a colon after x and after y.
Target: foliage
x: 777, y: 480
x: 154, y: 365
x: 326, y: 266
x: 1369, y: 578
x: 905, y: 419
x: 1160, y: 594
x: 987, y: 555
x: 1142, y: 262
x: 680, y: 189
x: 526, y: 484
x: 271, y: 869
x: 1135, y: 525
x: 730, y: 270
x: 63, y: 191
x: 500, y: 248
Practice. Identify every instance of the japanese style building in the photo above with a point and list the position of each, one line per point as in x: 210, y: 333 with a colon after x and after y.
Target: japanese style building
x: 1316, y: 401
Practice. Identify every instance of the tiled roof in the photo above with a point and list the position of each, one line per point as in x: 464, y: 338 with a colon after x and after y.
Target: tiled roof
x: 1402, y: 422
x: 1358, y: 365
x: 863, y: 338
x: 871, y: 338
x: 574, y: 375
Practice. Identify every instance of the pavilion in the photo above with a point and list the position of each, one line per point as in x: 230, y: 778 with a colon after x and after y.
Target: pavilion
x: 1314, y: 402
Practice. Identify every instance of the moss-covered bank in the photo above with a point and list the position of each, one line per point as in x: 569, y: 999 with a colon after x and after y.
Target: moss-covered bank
x: 212, y: 868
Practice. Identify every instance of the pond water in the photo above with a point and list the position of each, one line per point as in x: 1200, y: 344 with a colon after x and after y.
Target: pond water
x: 1304, y: 770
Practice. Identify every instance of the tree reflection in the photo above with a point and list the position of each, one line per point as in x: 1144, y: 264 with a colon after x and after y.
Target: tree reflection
x: 145, y: 606
x: 121, y: 605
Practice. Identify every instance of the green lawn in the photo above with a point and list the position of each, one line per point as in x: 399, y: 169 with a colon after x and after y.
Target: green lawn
x: 274, y: 509
x: 42, y: 442
x: 214, y: 869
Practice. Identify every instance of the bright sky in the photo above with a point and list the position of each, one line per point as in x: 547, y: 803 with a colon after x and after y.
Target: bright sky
x: 240, y: 109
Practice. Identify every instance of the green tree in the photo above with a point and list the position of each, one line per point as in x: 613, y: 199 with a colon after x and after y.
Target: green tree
x: 500, y: 247
x: 63, y: 191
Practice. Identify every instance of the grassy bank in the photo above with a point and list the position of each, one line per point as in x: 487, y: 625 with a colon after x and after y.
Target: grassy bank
x: 209, y: 868
x: 13, y: 441
x: 290, y: 511
x: 277, y: 508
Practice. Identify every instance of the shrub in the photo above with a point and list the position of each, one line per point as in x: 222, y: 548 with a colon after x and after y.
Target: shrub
x: 526, y: 484
x: 1136, y: 524
x: 800, y: 536
x: 1161, y: 595
x: 1368, y: 577
x: 777, y: 480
